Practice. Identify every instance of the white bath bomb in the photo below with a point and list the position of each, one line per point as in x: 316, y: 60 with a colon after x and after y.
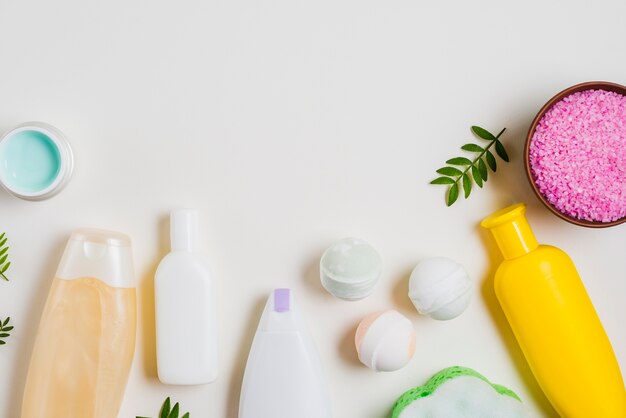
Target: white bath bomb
x: 440, y: 288
x: 385, y: 341
x: 350, y: 269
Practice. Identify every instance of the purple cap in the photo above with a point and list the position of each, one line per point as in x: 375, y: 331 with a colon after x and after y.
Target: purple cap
x: 281, y: 300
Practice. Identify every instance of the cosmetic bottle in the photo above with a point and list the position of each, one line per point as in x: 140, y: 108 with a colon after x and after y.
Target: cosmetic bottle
x: 86, y: 338
x: 554, y: 321
x: 283, y: 377
x: 186, y: 326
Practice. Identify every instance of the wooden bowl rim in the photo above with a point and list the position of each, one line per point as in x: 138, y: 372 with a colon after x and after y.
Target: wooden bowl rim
x: 590, y: 85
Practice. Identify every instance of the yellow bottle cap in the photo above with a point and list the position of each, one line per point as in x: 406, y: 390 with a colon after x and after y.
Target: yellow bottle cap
x: 511, y: 230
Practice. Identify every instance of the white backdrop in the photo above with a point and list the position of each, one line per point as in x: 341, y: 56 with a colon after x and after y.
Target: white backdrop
x: 290, y: 124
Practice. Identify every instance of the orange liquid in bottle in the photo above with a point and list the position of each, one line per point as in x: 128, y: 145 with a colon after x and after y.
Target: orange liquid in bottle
x: 83, y: 351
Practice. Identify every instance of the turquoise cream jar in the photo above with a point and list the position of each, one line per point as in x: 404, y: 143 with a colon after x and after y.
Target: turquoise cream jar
x: 36, y: 161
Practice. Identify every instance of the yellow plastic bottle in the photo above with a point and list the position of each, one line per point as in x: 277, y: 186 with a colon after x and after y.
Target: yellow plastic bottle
x: 555, y: 322
x: 86, y: 338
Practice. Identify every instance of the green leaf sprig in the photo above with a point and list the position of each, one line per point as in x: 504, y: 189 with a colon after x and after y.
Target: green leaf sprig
x: 5, y: 328
x: 475, y: 169
x: 4, y: 255
x: 170, y: 412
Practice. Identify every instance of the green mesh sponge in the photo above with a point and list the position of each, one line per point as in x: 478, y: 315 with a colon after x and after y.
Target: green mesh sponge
x: 459, y: 392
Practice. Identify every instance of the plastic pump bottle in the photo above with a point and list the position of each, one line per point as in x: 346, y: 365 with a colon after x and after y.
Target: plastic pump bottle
x: 86, y: 338
x: 186, y: 326
x: 555, y: 322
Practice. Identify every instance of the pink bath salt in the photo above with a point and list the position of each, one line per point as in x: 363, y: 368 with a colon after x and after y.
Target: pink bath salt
x: 578, y: 155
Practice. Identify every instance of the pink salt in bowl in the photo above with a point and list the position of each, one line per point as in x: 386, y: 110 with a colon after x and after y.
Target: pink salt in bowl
x: 575, y: 154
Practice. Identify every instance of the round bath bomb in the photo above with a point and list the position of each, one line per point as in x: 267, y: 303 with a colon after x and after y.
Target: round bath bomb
x: 440, y: 288
x: 350, y: 268
x: 385, y: 341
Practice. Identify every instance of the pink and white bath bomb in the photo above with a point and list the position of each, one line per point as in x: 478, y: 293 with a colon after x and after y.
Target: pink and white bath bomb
x: 385, y: 341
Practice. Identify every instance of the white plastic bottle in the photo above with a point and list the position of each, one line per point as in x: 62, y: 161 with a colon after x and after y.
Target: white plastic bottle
x: 186, y: 326
x: 283, y: 377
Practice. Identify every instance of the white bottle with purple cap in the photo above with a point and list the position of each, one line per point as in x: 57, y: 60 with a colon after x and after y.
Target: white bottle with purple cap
x: 283, y: 377
x: 186, y: 326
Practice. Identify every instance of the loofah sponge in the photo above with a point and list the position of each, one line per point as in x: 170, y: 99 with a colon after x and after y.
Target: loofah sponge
x: 459, y: 392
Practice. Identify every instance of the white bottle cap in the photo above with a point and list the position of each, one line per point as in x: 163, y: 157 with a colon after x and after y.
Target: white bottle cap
x: 184, y: 230
x: 99, y: 254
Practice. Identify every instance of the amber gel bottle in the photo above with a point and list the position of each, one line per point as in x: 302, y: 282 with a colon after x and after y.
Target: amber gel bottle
x: 86, y: 338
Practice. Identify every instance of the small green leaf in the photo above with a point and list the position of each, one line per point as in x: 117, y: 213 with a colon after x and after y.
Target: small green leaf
x: 2, y: 342
x: 6, y: 321
x: 467, y: 185
x: 483, y: 133
x: 459, y: 161
x: 483, y: 169
x: 5, y: 267
x: 3, y: 259
x: 453, y: 194
x: 472, y: 148
x: 174, y: 413
x: 165, y: 410
x: 168, y: 412
x: 449, y: 171
x: 7, y: 328
x: 501, y: 151
x: 479, y: 167
x: 4, y: 334
x: 2, y: 236
x: 477, y: 177
x: 491, y: 161
x: 4, y: 250
x: 443, y: 180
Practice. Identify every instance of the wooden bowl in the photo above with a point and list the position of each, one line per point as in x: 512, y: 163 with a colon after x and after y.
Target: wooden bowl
x: 592, y: 85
